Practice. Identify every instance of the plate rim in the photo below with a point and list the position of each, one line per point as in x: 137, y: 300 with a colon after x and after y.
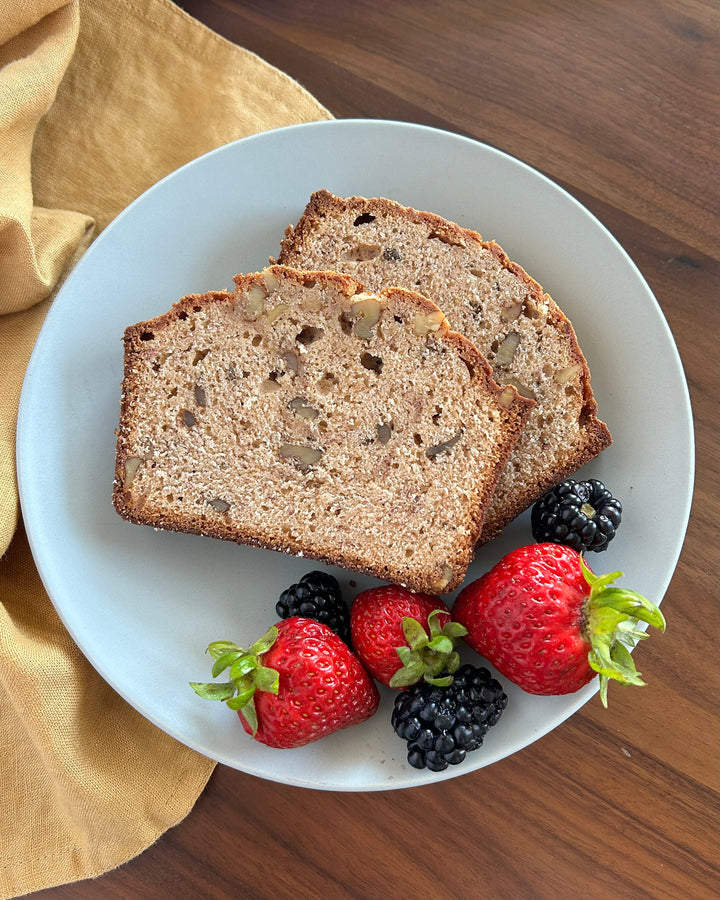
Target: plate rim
x: 23, y: 429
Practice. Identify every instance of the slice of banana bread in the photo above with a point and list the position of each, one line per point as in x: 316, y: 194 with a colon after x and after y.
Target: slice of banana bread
x: 302, y: 414
x: 491, y: 300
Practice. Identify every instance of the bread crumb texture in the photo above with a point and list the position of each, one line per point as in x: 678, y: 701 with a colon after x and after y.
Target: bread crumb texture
x: 528, y: 341
x: 302, y: 414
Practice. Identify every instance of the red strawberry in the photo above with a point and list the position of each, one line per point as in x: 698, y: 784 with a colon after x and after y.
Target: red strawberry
x: 296, y: 684
x: 547, y: 623
x: 402, y: 637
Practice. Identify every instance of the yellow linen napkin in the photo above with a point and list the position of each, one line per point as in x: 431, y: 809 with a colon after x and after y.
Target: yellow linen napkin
x: 98, y: 100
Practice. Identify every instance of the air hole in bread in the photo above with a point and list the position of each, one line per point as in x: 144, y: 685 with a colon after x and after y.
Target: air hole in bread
x: 200, y: 356
x: 444, y: 446
x: 327, y: 382
x: 147, y: 336
x: 586, y: 415
x: 373, y: 363
x: 309, y: 334
x: 364, y: 219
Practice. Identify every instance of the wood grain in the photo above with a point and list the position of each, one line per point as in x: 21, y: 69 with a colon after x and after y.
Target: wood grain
x: 618, y: 103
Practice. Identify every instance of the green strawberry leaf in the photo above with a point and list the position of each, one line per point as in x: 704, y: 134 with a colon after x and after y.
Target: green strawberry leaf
x: 632, y: 604
x: 267, y: 680
x: 407, y: 675
x: 218, y: 648
x: 605, y: 620
x: 453, y: 662
x: 441, y: 644
x: 613, y: 616
x: 604, y: 682
x: 213, y: 690
x: 242, y: 698
x: 441, y: 681
x: 242, y: 665
x: 623, y: 661
x: 247, y: 675
x: 455, y: 630
x: 249, y: 713
x: 415, y: 634
x: 264, y: 643
x: 432, y: 657
x: 222, y: 662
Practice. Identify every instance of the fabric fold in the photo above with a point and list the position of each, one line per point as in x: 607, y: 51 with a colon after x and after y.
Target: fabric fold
x: 36, y: 244
x: 99, y: 99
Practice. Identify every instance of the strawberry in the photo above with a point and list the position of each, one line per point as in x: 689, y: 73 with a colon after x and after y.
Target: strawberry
x: 547, y: 623
x: 402, y: 637
x: 296, y: 684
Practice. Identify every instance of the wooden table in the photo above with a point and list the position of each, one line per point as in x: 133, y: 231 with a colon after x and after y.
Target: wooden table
x: 616, y: 101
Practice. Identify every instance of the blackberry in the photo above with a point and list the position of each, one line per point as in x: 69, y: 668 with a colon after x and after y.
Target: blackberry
x: 581, y: 514
x: 317, y: 596
x: 443, y: 724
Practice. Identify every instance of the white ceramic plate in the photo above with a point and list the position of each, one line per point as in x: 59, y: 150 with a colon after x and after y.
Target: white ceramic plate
x: 142, y: 604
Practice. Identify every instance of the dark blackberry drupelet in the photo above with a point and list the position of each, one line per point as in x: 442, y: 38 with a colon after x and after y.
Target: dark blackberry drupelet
x: 317, y: 596
x: 443, y: 724
x: 583, y: 515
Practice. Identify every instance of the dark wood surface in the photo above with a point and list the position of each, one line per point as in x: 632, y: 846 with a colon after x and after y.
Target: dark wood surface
x: 616, y: 101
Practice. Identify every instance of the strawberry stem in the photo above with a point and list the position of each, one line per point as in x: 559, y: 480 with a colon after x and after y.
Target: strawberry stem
x: 246, y: 676
x: 613, y: 615
x: 434, y: 657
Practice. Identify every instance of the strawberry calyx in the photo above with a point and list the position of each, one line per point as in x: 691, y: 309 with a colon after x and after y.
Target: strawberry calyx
x: 246, y: 676
x: 430, y: 657
x: 612, y: 619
